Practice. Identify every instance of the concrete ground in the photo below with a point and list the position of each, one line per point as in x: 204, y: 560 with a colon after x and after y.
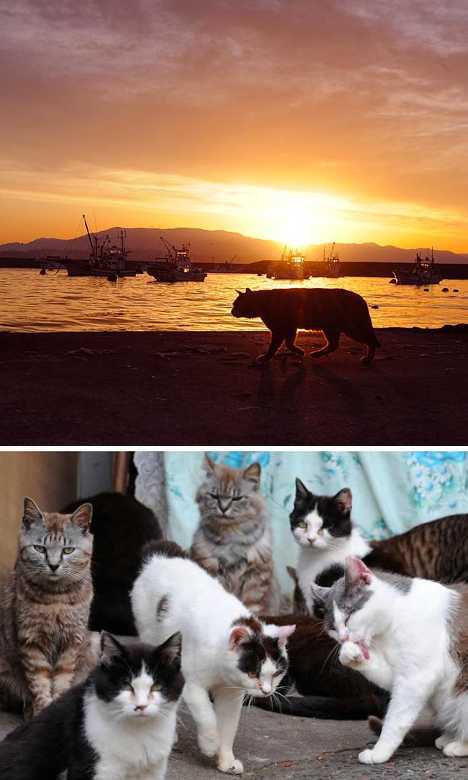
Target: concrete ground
x: 274, y: 747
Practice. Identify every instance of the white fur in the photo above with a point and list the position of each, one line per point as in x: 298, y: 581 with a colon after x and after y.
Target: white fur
x: 200, y: 608
x: 407, y: 636
x: 323, y: 551
x: 131, y: 744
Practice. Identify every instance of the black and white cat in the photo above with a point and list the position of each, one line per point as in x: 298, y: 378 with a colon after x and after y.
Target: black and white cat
x: 118, y: 724
x: 410, y: 637
x: 227, y: 651
x: 323, y: 528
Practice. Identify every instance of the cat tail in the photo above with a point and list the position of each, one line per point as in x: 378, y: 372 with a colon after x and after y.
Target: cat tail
x: 420, y: 736
x: 164, y: 548
x: 324, y: 707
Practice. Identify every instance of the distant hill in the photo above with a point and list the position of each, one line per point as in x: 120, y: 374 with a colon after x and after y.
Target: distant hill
x: 215, y: 246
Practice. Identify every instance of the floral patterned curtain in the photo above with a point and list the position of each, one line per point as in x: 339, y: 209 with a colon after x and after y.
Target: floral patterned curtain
x: 392, y: 491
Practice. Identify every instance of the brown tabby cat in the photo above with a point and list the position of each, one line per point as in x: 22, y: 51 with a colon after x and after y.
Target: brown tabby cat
x: 45, y: 645
x: 233, y: 541
x: 331, y: 311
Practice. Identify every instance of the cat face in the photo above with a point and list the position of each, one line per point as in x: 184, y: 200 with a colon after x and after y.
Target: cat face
x: 339, y: 605
x: 226, y: 493
x: 55, y: 549
x: 245, y: 305
x: 138, y: 681
x: 317, y: 520
x: 259, y: 654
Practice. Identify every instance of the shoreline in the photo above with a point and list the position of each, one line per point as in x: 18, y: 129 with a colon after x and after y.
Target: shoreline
x: 155, y: 388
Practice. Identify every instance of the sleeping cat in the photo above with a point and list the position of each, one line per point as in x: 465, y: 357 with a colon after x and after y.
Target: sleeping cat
x: 121, y: 526
x: 409, y: 636
x: 233, y: 541
x: 331, y: 311
x: 45, y: 645
x: 324, y: 529
x: 226, y: 653
x: 117, y: 725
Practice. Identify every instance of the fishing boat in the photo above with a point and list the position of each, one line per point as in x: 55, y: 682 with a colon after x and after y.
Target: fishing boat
x: 176, y: 266
x: 291, y: 266
x: 422, y: 271
x: 106, y: 259
x: 331, y: 263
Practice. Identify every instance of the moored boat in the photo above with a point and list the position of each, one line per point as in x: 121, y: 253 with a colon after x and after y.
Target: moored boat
x: 176, y: 266
x: 106, y: 259
x: 422, y: 271
x: 291, y: 266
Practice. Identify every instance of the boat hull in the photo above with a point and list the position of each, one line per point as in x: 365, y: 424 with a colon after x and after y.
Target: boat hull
x: 169, y: 275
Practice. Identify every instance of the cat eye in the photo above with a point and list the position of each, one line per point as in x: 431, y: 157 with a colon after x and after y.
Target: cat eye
x: 213, y: 495
x: 302, y: 524
x: 253, y: 674
x: 155, y: 687
x: 68, y: 550
x: 237, y: 498
x: 277, y: 673
x: 39, y: 548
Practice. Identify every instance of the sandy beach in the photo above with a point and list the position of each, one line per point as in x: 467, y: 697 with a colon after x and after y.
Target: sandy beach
x: 157, y: 389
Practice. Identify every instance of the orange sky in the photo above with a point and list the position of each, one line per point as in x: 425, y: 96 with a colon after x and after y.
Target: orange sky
x: 298, y: 120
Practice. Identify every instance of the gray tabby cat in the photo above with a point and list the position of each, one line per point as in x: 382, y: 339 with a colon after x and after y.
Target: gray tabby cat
x: 45, y: 646
x: 233, y: 541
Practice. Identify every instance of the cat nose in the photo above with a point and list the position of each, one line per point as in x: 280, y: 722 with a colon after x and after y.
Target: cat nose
x: 53, y: 566
x: 140, y: 708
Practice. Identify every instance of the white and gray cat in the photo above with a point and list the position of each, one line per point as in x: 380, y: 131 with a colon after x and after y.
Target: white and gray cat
x: 234, y: 540
x: 408, y: 636
x: 119, y: 724
x: 227, y: 652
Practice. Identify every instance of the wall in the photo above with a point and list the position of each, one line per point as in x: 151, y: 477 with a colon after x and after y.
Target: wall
x: 50, y: 478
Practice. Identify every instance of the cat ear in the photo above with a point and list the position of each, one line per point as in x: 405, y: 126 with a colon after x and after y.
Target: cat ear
x: 171, y: 650
x: 208, y: 464
x: 284, y: 632
x: 248, y: 290
x: 83, y: 516
x: 316, y: 601
x: 356, y: 572
x: 239, y: 292
x: 252, y: 473
x: 31, y: 513
x: 110, y: 648
x: 344, y: 499
x: 238, y: 635
x: 301, y: 490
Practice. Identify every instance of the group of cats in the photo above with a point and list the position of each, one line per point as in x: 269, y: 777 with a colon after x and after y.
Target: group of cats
x: 104, y: 708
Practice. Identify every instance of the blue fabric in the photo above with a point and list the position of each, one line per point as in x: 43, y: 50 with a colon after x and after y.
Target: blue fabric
x: 392, y: 491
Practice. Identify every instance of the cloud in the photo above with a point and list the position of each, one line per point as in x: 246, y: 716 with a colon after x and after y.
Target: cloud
x: 360, y: 98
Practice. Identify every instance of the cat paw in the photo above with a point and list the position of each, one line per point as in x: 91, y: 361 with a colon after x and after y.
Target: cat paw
x: 373, y: 756
x: 230, y: 765
x: 351, y: 654
x: 208, y: 743
x: 442, y: 741
x: 456, y: 749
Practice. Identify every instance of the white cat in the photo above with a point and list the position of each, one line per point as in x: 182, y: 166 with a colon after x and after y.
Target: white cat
x: 226, y: 651
x: 410, y: 637
x: 323, y: 528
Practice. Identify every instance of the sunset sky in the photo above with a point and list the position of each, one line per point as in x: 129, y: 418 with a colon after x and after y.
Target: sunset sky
x: 297, y: 120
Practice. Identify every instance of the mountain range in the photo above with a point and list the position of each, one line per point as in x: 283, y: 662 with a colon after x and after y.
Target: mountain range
x: 214, y: 246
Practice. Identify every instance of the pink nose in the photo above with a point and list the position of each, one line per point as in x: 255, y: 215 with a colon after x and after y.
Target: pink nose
x: 140, y: 708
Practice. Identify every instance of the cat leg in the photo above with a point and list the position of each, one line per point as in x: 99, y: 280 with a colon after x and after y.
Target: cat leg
x: 228, y: 705
x: 38, y: 673
x: 375, y: 668
x: 275, y: 343
x: 455, y: 749
x: 64, y: 670
x: 443, y: 740
x: 369, y: 356
x: 332, y: 342
x: 199, y: 704
x: 290, y: 339
x: 406, y: 703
